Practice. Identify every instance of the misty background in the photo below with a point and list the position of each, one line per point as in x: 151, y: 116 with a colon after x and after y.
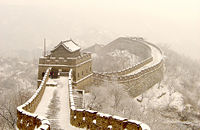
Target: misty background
x: 173, y: 25
x: 25, y: 23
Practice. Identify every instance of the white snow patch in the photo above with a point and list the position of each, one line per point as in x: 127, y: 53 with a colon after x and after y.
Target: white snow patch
x: 157, y: 57
x: 177, y: 101
x: 63, y: 116
x: 64, y: 113
x: 70, y: 45
x: 45, y: 101
x: 51, y: 83
x: 161, y: 97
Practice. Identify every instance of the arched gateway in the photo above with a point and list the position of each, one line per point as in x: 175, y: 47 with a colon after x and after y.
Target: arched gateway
x: 65, y: 56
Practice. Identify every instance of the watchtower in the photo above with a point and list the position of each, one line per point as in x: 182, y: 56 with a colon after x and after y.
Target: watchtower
x: 65, y: 56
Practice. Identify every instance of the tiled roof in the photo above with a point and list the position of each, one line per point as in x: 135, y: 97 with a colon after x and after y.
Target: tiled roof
x: 68, y: 45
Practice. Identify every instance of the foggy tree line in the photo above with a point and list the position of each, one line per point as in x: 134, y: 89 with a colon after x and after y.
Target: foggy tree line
x: 17, y: 84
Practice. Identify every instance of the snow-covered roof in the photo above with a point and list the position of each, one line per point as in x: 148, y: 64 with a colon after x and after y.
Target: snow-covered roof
x: 69, y: 45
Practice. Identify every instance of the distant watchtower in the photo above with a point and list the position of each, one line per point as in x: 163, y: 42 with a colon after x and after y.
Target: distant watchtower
x: 65, y: 56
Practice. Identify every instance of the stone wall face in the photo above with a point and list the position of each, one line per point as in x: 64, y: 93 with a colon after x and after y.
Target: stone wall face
x: 82, y: 75
x: 41, y: 69
x: 94, y: 120
x: 138, y: 82
x: 144, y: 82
x: 81, y: 65
x: 26, y: 120
x: 125, y: 71
x: 82, y: 70
x: 84, y: 84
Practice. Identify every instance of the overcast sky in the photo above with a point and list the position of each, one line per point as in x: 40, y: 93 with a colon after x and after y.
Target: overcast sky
x: 24, y: 23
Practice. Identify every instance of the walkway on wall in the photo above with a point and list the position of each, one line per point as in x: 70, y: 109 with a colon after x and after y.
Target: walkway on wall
x: 54, y: 105
x: 157, y: 56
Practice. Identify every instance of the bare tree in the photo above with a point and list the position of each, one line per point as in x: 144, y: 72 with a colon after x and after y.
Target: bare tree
x: 10, y: 101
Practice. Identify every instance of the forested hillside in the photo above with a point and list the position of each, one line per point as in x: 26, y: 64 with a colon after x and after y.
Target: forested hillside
x: 18, y: 81
x: 174, y: 104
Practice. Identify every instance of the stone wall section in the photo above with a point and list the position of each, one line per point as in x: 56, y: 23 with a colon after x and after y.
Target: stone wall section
x: 125, y: 71
x: 81, y: 65
x: 94, y: 120
x: 134, y: 45
x: 26, y: 119
x: 81, y: 77
x: 138, y: 82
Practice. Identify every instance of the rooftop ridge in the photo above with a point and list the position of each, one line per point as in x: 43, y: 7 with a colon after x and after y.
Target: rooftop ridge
x: 69, y: 47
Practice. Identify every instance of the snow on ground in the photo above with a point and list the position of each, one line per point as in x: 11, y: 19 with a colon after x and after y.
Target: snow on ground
x: 45, y: 101
x: 64, y: 113
x: 63, y: 116
x: 161, y: 97
x: 132, y: 58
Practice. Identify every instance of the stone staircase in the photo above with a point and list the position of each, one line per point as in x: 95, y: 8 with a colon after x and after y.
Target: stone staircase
x: 78, y: 99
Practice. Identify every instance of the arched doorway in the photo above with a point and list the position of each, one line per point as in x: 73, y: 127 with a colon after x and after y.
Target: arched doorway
x: 54, y: 73
x: 43, y: 73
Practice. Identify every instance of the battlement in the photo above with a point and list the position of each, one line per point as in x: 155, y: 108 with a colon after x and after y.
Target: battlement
x: 93, y: 120
x: 65, y: 56
x: 139, y: 77
x: 125, y: 71
x: 26, y: 120
x: 69, y: 61
x: 78, y: 69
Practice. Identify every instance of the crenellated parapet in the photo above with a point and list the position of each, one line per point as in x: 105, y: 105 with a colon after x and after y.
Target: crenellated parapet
x: 81, y: 64
x: 140, y: 77
x: 26, y: 120
x: 125, y: 71
x: 139, y: 74
x: 94, y: 120
x: 68, y: 61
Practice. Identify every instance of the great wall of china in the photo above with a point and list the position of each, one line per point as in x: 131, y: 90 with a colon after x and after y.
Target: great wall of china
x: 139, y: 78
x: 94, y: 120
x: 26, y: 119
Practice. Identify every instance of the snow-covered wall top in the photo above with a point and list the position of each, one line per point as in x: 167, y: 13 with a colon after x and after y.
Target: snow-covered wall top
x: 133, y: 45
x: 127, y: 70
x: 94, y: 120
x: 26, y: 119
x: 69, y: 61
x: 139, y: 69
x: 139, y: 79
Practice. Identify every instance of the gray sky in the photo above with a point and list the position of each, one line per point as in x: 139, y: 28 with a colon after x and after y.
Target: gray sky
x: 24, y: 23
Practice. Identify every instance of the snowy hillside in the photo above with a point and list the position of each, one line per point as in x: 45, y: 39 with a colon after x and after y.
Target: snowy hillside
x: 18, y: 73
x: 106, y: 59
x: 17, y: 84
x: 114, y: 61
x: 171, y: 105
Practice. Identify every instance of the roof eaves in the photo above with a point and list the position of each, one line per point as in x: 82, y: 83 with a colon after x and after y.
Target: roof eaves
x: 66, y: 47
x: 57, y: 46
x: 62, y: 43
